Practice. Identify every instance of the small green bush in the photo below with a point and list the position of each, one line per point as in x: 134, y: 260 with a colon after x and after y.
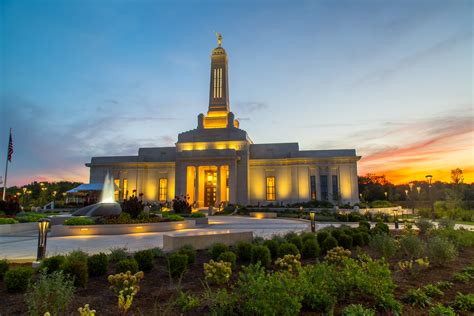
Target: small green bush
x: 446, y: 223
x: 321, y: 236
x: 157, y: 252
x: 328, y: 244
x: 79, y: 221
x: 51, y: 293
x: 117, y: 254
x: 98, y: 264
x: 464, y: 303
x: 462, y: 277
x: 188, y: 302
x: 307, y: 235
x: 17, y: 279
x: 380, y: 204
x: 230, y: 257
x: 380, y: 228
x: 418, y: 297
x: 310, y: 248
x: 125, y: 265
x: 7, y: 220
x: 53, y: 263
x: 364, y: 225
x: 384, y: 245
x: 262, y: 254
x: 3, y: 267
x: 297, y: 241
x: 357, y: 310
x: 440, y: 251
x: 197, y: 215
x: 244, y: 250
x: 412, y: 246
x: 357, y: 240
x: 345, y: 241
x: 432, y: 290
x: 365, y: 237
x: 440, y: 310
x: 189, y: 251
x: 77, y: 254
x: 144, y: 259
x: 424, y: 225
x: 216, y: 249
x: 287, y: 248
x: 272, y: 245
x: 336, y: 233
x: 444, y: 285
x: 76, y: 267
x: 177, y: 264
x: 173, y: 217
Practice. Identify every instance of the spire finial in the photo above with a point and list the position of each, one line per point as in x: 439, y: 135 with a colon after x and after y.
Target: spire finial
x: 219, y: 38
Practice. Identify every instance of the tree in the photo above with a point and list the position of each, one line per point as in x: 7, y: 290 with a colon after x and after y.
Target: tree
x: 457, y: 176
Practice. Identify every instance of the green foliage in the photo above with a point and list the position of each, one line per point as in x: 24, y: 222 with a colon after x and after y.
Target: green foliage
x: 321, y: 236
x: 261, y: 254
x: 380, y: 204
x: 444, y: 285
x: 157, y: 252
x: 244, y: 250
x: 358, y: 240
x: 187, y: 302
x: 117, y: 254
x: 17, y: 279
x: 290, y: 263
x: 357, y: 310
x: 29, y: 217
x: 51, y: 293
x: 345, y: 241
x: 319, y: 287
x: 189, y: 251
x: 144, y: 260
x: 125, y: 265
x: 460, y: 237
x: 287, y: 248
x: 337, y: 255
x: 217, y: 272
x: 328, y: 244
x: 216, y: 249
x: 418, y: 297
x: 364, y: 225
x: 7, y: 220
x: 77, y: 254
x: 307, y: 235
x: 463, y: 277
x: 365, y: 237
x: 424, y: 225
x: 464, y: 303
x: 272, y: 245
x: 432, y: 290
x: 173, y: 217
x: 79, y: 221
x: 220, y: 302
x: 441, y: 310
x: 310, y: 248
x: 75, y: 266
x: 380, y: 228
x: 230, y: 257
x: 132, y: 206
x: 181, y: 204
x: 446, y: 223
x: 440, y: 251
x: 384, y: 245
x: 197, y: 215
x: 297, y: 241
x: 259, y: 293
x: 177, y: 264
x: 336, y: 233
x: 412, y: 246
x: 98, y: 264
x: 53, y: 263
x: 3, y: 267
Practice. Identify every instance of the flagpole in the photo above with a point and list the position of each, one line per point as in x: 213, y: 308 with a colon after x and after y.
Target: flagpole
x: 6, y: 168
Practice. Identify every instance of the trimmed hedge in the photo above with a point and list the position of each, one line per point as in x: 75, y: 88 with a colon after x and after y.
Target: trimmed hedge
x: 287, y: 249
x: 98, y: 264
x: 53, y: 263
x: 177, y: 264
x: 328, y: 244
x: 262, y: 254
x: 17, y: 279
x: 125, y: 265
x: 189, y: 251
x: 310, y: 249
x: 244, y: 250
x: 230, y: 257
x: 216, y: 249
x: 144, y: 259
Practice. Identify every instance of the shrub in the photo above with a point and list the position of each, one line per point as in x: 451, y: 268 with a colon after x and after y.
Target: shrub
x: 272, y: 245
x: 98, y: 264
x: 189, y: 251
x: 328, y: 244
x: 117, y: 254
x: 77, y: 255
x: 310, y: 248
x: 53, y: 263
x: 417, y: 297
x: 86, y: 311
x: 432, y: 290
x: 177, y: 264
x: 144, y: 260
x: 3, y: 267
x: 345, y: 241
x: 357, y: 310
x: 424, y: 225
x: 380, y: 228
x: 79, y: 221
x: 7, y: 220
x: 364, y: 225
x: 290, y: 263
x: 459, y: 237
x: 297, y: 241
x: 125, y: 265
x: 380, y: 204
x: 446, y: 223
x: 261, y: 254
x: 258, y: 240
x: 17, y: 279
x: 440, y: 310
x: 132, y: 206
x: 464, y: 303
x: 75, y: 266
x: 443, y: 285
x: 197, y: 215
x: 187, y: 302
x: 51, y: 293
x: 181, y: 205
x: 157, y: 252
x: 384, y: 245
x: 173, y: 217
x: 229, y: 257
x: 412, y: 246
x: 321, y: 236
x: 287, y: 248
x: 121, y: 281
x: 307, y: 235
x: 365, y: 237
x: 440, y: 251
x: 358, y: 240
x: 217, y: 272
x: 462, y: 277
x: 337, y: 255
x: 216, y: 249
x: 336, y: 233
x: 244, y: 250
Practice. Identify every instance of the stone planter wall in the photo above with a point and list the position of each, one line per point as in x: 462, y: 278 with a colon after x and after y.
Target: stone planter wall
x: 204, y: 240
x: 263, y: 214
x: 12, y: 229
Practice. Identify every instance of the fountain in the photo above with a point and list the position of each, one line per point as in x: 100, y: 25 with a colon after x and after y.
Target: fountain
x: 107, y: 205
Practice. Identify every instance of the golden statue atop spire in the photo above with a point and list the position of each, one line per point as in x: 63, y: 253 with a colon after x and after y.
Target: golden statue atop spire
x: 219, y: 38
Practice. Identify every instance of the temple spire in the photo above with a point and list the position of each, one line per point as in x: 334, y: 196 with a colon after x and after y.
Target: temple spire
x: 219, y: 85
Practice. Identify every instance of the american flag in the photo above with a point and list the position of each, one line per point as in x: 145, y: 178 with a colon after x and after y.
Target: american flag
x: 10, y: 147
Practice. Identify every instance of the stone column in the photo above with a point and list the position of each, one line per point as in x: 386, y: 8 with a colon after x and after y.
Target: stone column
x: 233, y: 182
x: 218, y: 186
x: 196, y: 185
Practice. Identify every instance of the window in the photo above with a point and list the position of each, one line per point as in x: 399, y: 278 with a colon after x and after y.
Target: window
x: 335, y: 188
x: 324, y: 187
x: 312, y: 183
x: 125, y: 189
x: 163, y: 189
x: 217, y: 86
x: 116, y: 189
x: 271, y: 189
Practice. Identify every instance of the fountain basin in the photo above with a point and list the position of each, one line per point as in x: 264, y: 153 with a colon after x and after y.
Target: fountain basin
x: 99, y: 209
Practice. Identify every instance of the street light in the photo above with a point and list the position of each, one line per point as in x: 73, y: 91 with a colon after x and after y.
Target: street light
x: 428, y: 179
x: 312, y: 217
x: 43, y: 226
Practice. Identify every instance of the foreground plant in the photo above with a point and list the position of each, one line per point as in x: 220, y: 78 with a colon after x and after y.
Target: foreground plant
x: 441, y: 310
x: 337, y: 255
x: 125, y: 286
x: 357, y: 310
x: 86, y: 311
x: 217, y: 272
x: 464, y: 303
x: 405, y: 266
x: 290, y: 263
x: 418, y: 297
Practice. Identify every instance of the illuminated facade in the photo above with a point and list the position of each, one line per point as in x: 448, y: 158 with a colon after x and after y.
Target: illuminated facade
x: 217, y: 163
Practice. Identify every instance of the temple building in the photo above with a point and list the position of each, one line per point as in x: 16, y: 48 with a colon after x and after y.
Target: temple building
x: 217, y: 162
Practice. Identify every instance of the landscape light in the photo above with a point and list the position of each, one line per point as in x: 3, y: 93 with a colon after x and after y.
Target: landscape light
x: 312, y: 217
x: 43, y: 226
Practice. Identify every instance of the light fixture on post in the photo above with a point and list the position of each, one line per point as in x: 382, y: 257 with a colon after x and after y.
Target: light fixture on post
x: 386, y: 194
x: 312, y: 217
x: 429, y: 178
x: 43, y: 226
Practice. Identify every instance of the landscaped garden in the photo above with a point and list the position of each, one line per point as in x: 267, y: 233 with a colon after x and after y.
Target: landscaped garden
x: 348, y: 271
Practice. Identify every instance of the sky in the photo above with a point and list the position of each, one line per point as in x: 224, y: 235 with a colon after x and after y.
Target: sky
x: 392, y: 79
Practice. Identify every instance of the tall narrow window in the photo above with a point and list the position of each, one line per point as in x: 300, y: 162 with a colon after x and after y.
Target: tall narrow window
x: 116, y: 189
x: 220, y: 83
x: 215, y: 83
x: 335, y: 188
x: 324, y: 187
x: 125, y: 189
x: 312, y: 184
x: 271, y: 189
x: 163, y: 189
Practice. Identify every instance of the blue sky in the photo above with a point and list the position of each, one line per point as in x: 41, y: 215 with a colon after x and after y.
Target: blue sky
x: 392, y: 79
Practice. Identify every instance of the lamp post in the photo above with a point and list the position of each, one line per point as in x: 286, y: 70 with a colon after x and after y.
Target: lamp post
x: 429, y: 179
x: 386, y: 194
x: 43, y: 226
x: 312, y: 217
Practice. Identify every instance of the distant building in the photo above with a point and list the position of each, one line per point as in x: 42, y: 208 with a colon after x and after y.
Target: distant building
x: 218, y: 162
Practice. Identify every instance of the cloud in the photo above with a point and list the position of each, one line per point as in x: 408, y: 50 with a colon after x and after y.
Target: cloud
x: 250, y: 107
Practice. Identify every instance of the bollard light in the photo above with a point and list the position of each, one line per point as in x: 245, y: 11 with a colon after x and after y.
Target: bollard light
x: 312, y: 217
x: 43, y: 226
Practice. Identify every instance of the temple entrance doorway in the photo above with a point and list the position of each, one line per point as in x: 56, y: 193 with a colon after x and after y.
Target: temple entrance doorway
x: 210, y: 188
